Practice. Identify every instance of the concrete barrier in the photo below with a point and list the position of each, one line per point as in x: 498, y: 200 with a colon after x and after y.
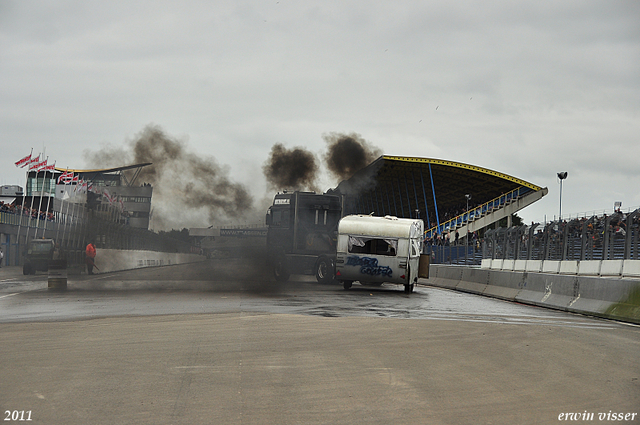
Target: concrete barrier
x: 596, y: 296
x: 520, y: 265
x: 548, y: 290
x: 445, y: 277
x: 496, y: 264
x: 507, y: 265
x: 550, y: 266
x: 534, y: 266
x: 631, y: 268
x: 504, y: 285
x: 473, y: 280
x: 110, y: 260
x: 610, y: 297
x: 568, y: 267
x: 611, y: 267
x: 589, y: 268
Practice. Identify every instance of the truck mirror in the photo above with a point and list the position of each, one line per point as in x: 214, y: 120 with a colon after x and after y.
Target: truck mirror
x: 268, y: 217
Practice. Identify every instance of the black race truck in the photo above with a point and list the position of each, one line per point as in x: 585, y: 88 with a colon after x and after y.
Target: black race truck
x: 302, y: 234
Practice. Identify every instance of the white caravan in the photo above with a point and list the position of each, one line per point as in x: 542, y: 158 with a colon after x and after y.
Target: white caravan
x: 376, y: 250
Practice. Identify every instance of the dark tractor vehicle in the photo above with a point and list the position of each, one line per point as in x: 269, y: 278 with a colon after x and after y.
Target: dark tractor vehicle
x: 39, y: 253
x: 302, y: 234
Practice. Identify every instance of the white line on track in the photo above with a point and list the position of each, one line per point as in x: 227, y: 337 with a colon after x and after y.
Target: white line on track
x: 10, y: 295
x: 101, y: 277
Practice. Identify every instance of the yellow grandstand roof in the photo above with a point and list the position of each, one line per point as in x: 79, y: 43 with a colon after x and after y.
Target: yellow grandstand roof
x: 103, y: 170
x: 400, y: 185
x: 464, y: 166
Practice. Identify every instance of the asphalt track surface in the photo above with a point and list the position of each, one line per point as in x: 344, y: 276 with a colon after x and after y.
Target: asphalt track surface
x: 221, y: 343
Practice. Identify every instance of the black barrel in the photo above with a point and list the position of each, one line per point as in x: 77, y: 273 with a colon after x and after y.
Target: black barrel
x: 58, y: 274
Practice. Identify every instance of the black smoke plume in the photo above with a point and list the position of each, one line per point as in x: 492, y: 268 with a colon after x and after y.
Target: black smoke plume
x: 348, y: 153
x: 290, y: 168
x: 188, y: 189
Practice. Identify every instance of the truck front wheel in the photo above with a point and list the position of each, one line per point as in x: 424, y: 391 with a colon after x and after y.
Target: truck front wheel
x: 324, y: 270
x: 281, y: 270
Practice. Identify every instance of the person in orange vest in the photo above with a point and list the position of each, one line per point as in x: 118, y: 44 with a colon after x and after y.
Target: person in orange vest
x: 90, y: 255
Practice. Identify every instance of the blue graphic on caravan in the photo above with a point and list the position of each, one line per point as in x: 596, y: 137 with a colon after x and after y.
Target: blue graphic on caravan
x: 369, y: 266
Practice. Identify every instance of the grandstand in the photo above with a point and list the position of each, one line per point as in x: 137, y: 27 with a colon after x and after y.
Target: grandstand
x: 435, y: 190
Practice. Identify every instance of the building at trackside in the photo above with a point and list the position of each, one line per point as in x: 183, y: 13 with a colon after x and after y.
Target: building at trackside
x: 115, y: 190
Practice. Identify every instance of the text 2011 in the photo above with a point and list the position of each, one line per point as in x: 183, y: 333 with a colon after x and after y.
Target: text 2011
x: 17, y: 415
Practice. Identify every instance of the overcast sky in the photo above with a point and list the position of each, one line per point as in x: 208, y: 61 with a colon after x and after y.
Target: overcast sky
x: 527, y: 88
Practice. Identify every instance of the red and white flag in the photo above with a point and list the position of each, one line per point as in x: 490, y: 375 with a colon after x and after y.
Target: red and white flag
x: 24, y: 161
x: 51, y: 167
x: 65, y: 177
x: 41, y: 165
x: 33, y: 163
x: 107, y: 195
x: 81, y: 187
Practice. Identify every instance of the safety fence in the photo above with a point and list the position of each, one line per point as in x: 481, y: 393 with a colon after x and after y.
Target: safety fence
x: 470, y: 254
x: 607, y: 237
x: 74, y: 227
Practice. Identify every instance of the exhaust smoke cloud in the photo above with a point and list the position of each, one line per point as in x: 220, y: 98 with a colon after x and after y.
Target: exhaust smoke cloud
x: 348, y: 153
x: 290, y: 168
x: 191, y: 190
x: 188, y: 189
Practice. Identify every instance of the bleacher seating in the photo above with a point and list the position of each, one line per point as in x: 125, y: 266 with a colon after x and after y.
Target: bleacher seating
x: 484, y: 210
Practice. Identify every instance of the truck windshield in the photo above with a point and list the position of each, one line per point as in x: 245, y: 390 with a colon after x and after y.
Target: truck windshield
x: 40, y: 247
x: 279, y: 218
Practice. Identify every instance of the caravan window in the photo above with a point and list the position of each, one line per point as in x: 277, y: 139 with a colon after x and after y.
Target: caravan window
x: 365, y: 245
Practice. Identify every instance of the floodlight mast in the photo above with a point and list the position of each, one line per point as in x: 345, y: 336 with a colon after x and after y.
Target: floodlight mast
x: 561, y: 175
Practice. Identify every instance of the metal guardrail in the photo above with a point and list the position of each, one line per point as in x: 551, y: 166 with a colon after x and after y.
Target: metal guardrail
x: 25, y: 220
x: 612, y: 237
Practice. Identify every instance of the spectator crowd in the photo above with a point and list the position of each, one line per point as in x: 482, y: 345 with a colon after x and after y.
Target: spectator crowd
x: 34, y: 213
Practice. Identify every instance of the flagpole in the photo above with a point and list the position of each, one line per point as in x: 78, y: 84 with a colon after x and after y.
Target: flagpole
x: 66, y: 220
x: 62, y: 213
x: 26, y: 159
x: 24, y: 192
x: 37, y: 160
x: 44, y: 152
x: 78, y: 223
x: 22, y: 209
x: 44, y: 177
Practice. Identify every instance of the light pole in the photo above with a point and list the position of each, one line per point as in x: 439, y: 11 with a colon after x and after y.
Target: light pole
x: 466, y: 237
x: 562, y: 175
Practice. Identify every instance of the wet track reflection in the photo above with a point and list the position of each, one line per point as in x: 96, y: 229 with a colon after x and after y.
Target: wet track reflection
x: 230, y: 288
